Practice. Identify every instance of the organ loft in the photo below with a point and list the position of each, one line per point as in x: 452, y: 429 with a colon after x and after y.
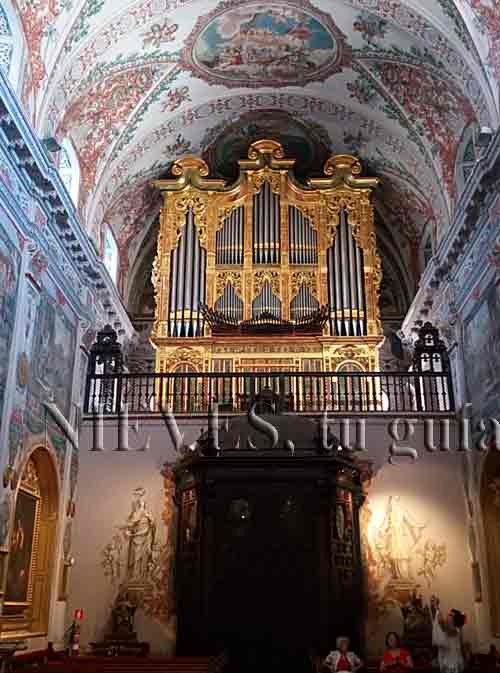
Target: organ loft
x: 267, y: 274
x: 266, y: 288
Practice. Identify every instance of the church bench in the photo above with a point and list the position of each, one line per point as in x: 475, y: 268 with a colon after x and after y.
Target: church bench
x: 91, y: 664
x: 34, y: 658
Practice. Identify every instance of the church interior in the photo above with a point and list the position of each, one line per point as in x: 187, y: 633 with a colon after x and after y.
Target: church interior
x: 249, y: 335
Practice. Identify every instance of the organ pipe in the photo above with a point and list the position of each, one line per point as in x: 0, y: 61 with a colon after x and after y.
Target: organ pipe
x: 266, y: 302
x: 230, y: 304
x: 266, y: 226
x: 229, y: 239
x: 303, y: 238
x: 303, y: 304
x: 345, y: 283
x: 187, y: 282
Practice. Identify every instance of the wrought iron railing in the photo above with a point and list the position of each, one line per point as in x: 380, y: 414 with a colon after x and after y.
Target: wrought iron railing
x: 299, y: 392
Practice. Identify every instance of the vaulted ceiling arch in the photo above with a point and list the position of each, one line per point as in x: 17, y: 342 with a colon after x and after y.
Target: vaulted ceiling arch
x: 137, y: 83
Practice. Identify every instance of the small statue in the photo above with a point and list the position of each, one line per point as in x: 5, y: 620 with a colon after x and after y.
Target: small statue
x: 417, y: 635
x: 123, y: 615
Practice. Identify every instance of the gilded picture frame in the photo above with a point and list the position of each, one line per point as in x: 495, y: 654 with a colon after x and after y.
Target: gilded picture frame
x: 23, y: 552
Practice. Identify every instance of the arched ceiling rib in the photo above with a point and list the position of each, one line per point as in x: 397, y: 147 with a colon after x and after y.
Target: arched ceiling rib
x: 137, y: 83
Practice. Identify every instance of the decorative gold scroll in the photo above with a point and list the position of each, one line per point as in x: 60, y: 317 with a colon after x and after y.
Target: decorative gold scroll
x: 262, y: 277
x: 231, y: 277
x: 256, y: 180
x: 306, y: 278
x: 311, y: 212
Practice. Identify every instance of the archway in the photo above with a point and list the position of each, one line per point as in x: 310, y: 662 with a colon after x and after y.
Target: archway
x: 31, y: 558
x: 490, y: 506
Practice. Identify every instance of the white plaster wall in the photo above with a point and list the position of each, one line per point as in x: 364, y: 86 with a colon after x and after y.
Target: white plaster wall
x: 431, y: 491
x: 107, y: 480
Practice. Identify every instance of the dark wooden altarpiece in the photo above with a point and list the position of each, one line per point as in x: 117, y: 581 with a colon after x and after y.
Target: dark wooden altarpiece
x: 268, y: 561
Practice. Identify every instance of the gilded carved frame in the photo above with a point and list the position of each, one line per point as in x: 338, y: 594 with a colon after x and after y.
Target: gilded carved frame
x: 39, y: 478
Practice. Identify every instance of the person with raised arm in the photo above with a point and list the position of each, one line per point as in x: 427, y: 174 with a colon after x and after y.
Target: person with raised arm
x: 447, y: 637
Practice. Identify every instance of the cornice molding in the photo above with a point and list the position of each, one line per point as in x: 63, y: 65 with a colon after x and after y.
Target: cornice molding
x: 41, y: 181
x: 470, y: 218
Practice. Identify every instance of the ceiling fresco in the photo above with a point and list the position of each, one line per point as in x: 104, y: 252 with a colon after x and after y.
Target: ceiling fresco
x: 137, y: 83
x: 260, y: 44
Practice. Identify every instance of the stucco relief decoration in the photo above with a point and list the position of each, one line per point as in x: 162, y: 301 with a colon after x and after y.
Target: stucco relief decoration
x: 371, y: 27
x: 399, y: 556
x: 488, y: 18
x: 442, y: 121
x: 256, y: 44
x: 97, y: 116
x: 158, y: 34
x: 17, y: 433
x: 38, y: 264
x: 138, y: 559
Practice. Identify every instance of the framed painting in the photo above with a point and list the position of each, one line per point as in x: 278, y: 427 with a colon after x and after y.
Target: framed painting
x: 9, y: 276
x: 22, y: 550
x: 482, y: 346
x: 51, y: 371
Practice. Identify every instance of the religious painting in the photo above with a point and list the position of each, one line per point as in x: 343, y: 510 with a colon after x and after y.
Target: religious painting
x: 257, y: 44
x: 396, y: 541
x: 9, y: 277
x: 482, y: 346
x: 399, y: 557
x: 21, y: 549
x: 52, y: 360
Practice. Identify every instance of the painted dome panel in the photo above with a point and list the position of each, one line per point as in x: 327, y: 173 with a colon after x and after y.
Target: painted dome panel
x: 255, y: 44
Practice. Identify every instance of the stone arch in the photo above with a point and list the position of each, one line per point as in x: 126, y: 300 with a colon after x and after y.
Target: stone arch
x: 30, y: 569
x: 490, y: 510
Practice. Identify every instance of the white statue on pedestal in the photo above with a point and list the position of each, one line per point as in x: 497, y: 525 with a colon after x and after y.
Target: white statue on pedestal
x: 140, y: 530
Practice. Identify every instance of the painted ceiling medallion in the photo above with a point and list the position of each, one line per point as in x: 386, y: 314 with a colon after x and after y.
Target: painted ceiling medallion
x: 277, y: 44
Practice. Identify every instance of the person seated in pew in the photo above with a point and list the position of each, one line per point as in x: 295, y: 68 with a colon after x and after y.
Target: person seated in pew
x: 342, y: 659
x: 395, y: 658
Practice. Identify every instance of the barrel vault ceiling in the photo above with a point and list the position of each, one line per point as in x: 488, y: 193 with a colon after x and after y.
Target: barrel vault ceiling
x: 138, y: 83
